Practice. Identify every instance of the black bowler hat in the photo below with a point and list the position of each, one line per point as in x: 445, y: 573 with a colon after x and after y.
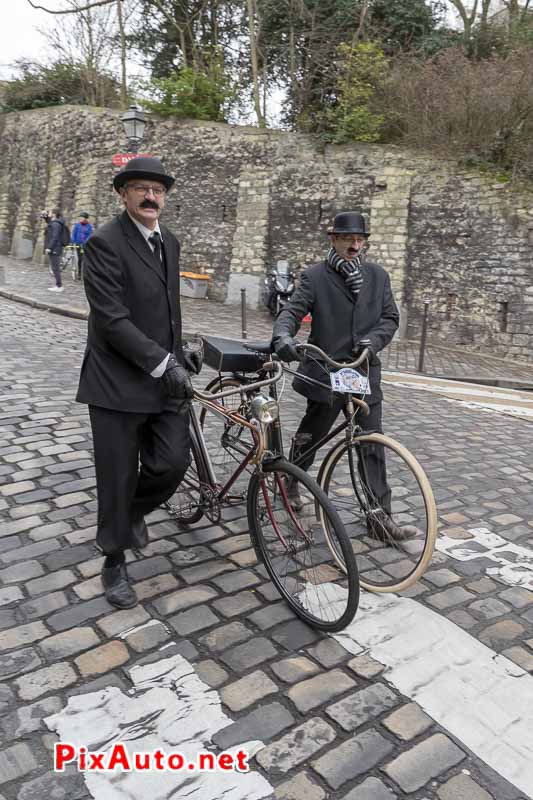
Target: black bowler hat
x: 147, y: 169
x: 349, y: 222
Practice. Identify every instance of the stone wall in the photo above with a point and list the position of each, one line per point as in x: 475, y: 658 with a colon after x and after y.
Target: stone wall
x: 246, y: 198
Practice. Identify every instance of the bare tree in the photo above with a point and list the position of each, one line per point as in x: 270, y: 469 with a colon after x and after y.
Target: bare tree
x: 85, y: 13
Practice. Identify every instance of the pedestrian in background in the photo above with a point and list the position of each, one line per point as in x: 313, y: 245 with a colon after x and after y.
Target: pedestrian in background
x: 81, y: 231
x: 53, y: 246
x: 133, y: 375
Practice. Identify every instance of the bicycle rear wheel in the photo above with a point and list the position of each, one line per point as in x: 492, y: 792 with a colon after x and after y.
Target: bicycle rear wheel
x: 186, y: 504
x: 346, y: 475
x: 227, y: 441
x: 288, y: 537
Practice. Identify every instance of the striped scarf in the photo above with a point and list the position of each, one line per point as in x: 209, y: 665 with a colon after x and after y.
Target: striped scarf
x: 349, y: 270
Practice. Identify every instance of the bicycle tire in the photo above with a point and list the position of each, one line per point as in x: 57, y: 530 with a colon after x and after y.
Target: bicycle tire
x: 306, y: 583
x: 385, y: 565
x: 185, y: 505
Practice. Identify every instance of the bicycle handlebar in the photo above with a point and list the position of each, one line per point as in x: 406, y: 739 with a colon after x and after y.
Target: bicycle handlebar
x: 275, y: 365
x: 335, y: 364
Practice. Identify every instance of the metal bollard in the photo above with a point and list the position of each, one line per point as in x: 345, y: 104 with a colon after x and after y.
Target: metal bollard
x: 243, y: 314
x: 423, y: 337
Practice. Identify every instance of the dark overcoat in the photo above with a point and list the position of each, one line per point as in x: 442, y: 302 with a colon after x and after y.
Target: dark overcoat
x: 134, y: 321
x: 339, y: 322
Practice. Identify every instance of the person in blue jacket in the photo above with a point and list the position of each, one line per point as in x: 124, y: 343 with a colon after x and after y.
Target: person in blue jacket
x: 81, y: 231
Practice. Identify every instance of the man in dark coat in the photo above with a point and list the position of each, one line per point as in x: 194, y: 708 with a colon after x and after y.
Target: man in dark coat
x: 352, y: 307
x: 133, y: 376
x: 53, y: 247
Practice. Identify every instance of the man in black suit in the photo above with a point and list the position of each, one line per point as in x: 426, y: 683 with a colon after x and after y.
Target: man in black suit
x: 133, y: 376
x: 352, y: 307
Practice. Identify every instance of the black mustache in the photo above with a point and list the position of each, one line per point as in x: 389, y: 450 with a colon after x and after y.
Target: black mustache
x: 149, y: 204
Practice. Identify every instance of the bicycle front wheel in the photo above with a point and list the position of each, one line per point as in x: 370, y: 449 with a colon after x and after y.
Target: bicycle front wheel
x: 371, y: 481
x: 285, y: 509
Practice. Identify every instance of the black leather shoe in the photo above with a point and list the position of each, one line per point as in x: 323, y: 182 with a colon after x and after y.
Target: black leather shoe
x: 382, y: 527
x: 117, y: 587
x: 139, y: 534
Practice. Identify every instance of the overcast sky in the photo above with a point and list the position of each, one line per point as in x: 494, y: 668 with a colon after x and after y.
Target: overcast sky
x: 19, y: 37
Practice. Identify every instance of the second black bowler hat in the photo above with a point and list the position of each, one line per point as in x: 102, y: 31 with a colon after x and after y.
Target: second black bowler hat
x: 143, y: 168
x: 349, y: 222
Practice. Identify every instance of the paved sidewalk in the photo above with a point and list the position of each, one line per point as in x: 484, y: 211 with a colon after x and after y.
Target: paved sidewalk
x: 27, y: 283
x: 428, y: 696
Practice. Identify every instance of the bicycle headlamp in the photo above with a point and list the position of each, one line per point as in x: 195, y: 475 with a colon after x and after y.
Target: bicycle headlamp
x: 264, y: 409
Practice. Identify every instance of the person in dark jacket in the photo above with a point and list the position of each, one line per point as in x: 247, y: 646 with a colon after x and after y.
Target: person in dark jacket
x: 81, y: 232
x: 53, y: 247
x: 133, y: 375
x: 352, y: 307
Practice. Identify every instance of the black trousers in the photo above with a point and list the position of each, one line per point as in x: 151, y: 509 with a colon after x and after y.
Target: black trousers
x: 140, y: 459
x: 55, y: 266
x: 319, y: 419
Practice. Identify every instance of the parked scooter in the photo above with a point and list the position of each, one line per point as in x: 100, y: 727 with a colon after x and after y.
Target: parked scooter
x: 279, y: 286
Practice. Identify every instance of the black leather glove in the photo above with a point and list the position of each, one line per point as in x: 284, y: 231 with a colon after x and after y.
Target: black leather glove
x: 176, y: 380
x: 285, y: 348
x: 194, y: 359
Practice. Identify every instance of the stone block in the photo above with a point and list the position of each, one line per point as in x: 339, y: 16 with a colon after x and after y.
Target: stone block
x: 248, y: 690
x: 15, y: 762
x: 271, y: 615
x: 299, y: 788
x: 237, y: 604
x: 195, y: 619
x: 365, y: 667
x: 264, y: 723
x: 371, y: 789
x: 296, y: 747
x: 462, y: 787
x: 416, y: 767
x: 408, y: 722
x: 225, y: 636
x: 318, y: 690
x: 184, y: 598
x: 50, y: 583
x: 249, y: 654
x: 354, y: 757
x: 48, y: 679
x: 360, y: 707
x: 211, y: 673
x: 21, y: 635
x: 121, y: 621
x: 295, y: 634
x: 102, y: 659
x: 66, y: 644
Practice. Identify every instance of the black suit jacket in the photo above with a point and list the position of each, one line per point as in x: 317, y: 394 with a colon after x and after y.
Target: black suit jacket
x: 134, y: 321
x: 339, y: 322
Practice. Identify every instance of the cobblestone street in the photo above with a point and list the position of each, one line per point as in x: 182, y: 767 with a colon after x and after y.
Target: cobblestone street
x: 339, y: 718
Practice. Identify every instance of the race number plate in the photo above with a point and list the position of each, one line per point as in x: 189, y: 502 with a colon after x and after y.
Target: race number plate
x: 349, y: 380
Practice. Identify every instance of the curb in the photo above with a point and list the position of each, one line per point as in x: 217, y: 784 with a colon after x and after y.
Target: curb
x: 64, y: 311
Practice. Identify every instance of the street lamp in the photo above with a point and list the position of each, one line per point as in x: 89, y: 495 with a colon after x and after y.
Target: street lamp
x: 134, y: 123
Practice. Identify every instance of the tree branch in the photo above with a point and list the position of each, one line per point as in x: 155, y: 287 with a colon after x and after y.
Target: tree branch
x: 72, y: 10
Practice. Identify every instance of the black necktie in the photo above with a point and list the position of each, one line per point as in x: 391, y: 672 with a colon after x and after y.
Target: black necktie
x: 159, y: 253
x: 155, y: 241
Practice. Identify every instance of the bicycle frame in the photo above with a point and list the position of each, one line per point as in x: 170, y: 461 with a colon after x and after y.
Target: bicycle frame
x: 256, y: 453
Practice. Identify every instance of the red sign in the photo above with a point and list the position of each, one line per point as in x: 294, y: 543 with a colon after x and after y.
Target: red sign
x: 121, y: 159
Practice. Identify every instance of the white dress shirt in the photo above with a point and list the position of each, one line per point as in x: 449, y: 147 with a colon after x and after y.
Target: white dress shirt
x: 146, y: 232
